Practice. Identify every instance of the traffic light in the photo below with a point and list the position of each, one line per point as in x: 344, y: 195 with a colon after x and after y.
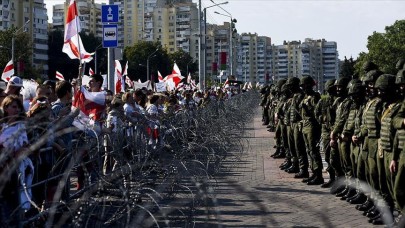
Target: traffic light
x: 233, y: 29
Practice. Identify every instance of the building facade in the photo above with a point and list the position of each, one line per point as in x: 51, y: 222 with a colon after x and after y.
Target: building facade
x: 29, y: 16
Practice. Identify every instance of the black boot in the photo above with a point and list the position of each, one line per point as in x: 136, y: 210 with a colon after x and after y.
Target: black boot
x: 285, y: 165
x: 337, y: 186
x: 349, y: 194
x: 302, y: 174
x: 317, y: 180
x: 359, y: 199
x: 293, y: 169
x: 277, y: 152
x: 281, y: 154
x: 343, y: 192
x: 331, y: 178
x: 306, y: 180
x: 366, y: 205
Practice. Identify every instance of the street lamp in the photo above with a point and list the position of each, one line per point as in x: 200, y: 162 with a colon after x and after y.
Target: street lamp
x: 147, y: 63
x: 201, y: 49
x: 230, y: 38
x: 95, y: 57
x: 13, y: 41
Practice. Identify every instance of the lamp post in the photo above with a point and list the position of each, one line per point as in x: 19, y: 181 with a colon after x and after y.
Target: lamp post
x: 201, y: 49
x: 13, y: 41
x: 147, y: 63
x: 95, y: 57
x: 230, y: 38
x: 192, y: 60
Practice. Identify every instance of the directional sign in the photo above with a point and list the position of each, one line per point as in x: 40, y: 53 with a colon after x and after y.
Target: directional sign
x: 110, y: 36
x: 109, y: 13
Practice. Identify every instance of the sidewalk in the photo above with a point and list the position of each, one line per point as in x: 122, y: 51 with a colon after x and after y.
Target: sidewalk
x: 256, y: 193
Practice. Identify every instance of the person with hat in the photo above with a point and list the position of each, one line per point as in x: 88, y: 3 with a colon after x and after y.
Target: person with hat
x: 14, y: 86
x: 311, y: 130
x: 295, y: 138
x: 342, y: 106
x: 350, y: 151
x: 325, y: 115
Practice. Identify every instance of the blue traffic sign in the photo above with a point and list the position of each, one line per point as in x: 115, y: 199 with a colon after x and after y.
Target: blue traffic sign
x: 110, y: 36
x: 109, y: 13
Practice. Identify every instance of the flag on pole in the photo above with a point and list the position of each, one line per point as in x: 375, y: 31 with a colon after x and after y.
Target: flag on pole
x: 160, y: 77
x: 8, y: 71
x: 59, y: 76
x: 175, y: 77
x: 118, y: 77
x: 91, y: 72
x: 73, y: 45
x: 91, y: 105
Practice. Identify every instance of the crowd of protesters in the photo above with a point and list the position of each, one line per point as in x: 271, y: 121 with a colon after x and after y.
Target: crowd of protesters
x: 37, y: 132
x: 358, y: 124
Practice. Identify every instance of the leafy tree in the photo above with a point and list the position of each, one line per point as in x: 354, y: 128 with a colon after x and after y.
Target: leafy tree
x: 59, y: 61
x: 184, y: 61
x: 137, y: 56
x: 347, y: 67
x: 22, y: 51
x: 385, y: 48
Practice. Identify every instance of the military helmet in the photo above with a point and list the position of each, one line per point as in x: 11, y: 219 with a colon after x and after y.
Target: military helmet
x: 307, y: 80
x: 355, y: 86
x: 284, y: 88
x: 368, y: 66
x: 343, y: 81
x: 371, y: 76
x: 294, y: 81
x: 385, y: 82
x: 400, y: 78
x: 280, y: 83
x: 400, y: 64
x: 329, y: 84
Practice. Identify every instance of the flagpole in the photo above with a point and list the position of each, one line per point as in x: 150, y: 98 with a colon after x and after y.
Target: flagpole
x: 81, y: 67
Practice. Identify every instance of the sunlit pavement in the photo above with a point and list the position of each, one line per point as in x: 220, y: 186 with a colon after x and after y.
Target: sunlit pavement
x: 254, y: 192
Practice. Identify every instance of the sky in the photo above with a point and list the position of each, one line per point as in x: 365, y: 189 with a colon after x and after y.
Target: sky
x: 348, y: 22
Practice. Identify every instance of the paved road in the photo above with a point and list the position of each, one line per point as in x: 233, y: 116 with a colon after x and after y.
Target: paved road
x: 255, y: 193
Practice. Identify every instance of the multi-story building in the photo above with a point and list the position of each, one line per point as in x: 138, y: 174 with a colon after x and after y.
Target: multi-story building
x: 216, y: 42
x: 89, y: 15
x: 28, y: 16
x: 253, y: 58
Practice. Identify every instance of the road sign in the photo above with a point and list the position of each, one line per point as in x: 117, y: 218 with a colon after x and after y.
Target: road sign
x: 109, y: 13
x: 110, y: 36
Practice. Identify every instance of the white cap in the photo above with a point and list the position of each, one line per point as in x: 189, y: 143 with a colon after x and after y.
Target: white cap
x: 16, y: 81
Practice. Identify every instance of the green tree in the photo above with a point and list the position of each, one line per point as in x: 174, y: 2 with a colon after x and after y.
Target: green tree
x: 60, y: 61
x: 184, y: 61
x: 347, y: 67
x: 137, y: 56
x: 385, y: 48
x: 22, y: 51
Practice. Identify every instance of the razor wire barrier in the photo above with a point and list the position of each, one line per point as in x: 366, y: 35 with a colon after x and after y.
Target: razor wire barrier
x: 147, y: 173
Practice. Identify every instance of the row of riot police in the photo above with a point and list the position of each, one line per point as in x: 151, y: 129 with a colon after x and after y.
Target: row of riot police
x: 359, y: 126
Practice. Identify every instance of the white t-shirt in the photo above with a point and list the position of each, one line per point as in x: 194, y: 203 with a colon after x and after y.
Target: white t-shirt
x: 13, y: 136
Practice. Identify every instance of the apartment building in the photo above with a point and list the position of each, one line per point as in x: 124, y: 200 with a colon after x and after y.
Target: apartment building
x: 28, y: 16
x: 253, y: 58
x: 317, y: 58
x: 89, y: 15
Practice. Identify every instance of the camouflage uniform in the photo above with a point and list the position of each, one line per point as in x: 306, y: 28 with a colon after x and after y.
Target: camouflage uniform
x: 325, y: 115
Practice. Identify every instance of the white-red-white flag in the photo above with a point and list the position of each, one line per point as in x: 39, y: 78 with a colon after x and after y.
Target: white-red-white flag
x: 73, y: 45
x: 8, y: 71
x: 91, y: 72
x: 91, y: 104
x: 139, y: 81
x: 160, y: 77
x: 119, y: 83
x: 59, y: 76
x: 176, y: 70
